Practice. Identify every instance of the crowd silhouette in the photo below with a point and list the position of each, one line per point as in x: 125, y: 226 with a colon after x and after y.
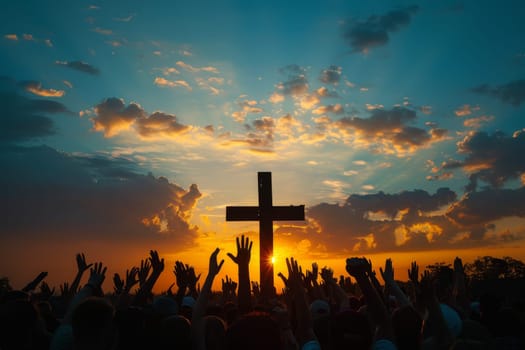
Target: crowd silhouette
x: 316, y: 310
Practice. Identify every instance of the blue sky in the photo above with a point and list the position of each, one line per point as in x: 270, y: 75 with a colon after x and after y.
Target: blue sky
x: 403, y: 118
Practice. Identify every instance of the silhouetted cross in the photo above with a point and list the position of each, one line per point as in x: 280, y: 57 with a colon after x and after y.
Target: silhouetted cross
x: 265, y: 213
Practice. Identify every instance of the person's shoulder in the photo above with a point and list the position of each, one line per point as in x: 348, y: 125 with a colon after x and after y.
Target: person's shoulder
x: 311, y: 345
x: 62, y: 338
x: 384, y: 344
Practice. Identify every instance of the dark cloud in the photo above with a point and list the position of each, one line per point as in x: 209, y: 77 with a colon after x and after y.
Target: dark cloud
x: 392, y: 204
x: 382, y: 120
x: 161, y: 124
x: 363, y: 35
x: 113, y: 116
x: 388, y: 129
x: 80, y: 66
x: 58, y: 195
x: 22, y: 118
x: 488, y: 205
x: 413, y: 221
x: 494, y: 159
x: 296, y: 83
x: 513, y: 92
x: 331, y: 75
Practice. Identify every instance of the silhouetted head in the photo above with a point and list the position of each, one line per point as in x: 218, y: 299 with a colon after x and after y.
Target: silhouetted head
x: 165, y: 306
x: 407, y: 325
x: 256, y: 331
x: 175, y: 333
x: 351, y: 330
x: 18, y: 322
x: 215, y: 329
x: 94, y: 325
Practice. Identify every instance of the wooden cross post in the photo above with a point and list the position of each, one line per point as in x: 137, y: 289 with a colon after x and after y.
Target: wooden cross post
x: 266, y: 214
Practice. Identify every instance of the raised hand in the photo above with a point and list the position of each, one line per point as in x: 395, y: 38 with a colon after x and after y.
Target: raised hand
x: 283, y: 277
x: 45, y: 291
x: 97, y: 275
x: 156, y: 264
x: 327, y: 274
x: 118, y: 284
x: 413, y: 273
x: 244, y: 249
x: 192, y: 278
x: 388, y: 273
x: 34, y: 283
x: 65, y: 292
x: 358, y: 267
x: 131, y: 278
x: 143, y: 272
x: 295, y: 276
x: 82, y: 266
x: 229, y: 286
x: 169, y: 291
x: 213, y: 268
x: 180, y: 272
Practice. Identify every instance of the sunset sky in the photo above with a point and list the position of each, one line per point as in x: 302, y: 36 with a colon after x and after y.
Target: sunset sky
x: 130, y: 125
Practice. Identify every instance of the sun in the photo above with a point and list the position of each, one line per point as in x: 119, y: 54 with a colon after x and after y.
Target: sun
x: 272, y: 260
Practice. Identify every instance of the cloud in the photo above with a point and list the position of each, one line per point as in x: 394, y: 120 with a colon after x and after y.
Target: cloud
x: 276, y: 98
x: 466, y: 110
x: 336, y: 109
x: 112, y: 117
x: 57, y: 195
x: 387, y: 131
x: 494, y: 159
x: 36, y: 88
x: 296, y: 83
x: 246, y: 107
x: 25, y: 119
x: 376, y: 30
x: 193, y: 69
x: 205, y: 84
x: 512, y: 92
x: 331, y: 75
x: 488, y: 205
x: 80, y: 66
x: 103, y: 31
x: 160, y: 124
x: 12, y: 37
x: 162, y: 82
x: 477, y: 122
x: 412, y: 221
x: 124, y: 19
x: 28, y: 37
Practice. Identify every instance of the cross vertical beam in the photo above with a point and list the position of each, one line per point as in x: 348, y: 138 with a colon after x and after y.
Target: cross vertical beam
x: 265, y: 233
x: 266, y: 214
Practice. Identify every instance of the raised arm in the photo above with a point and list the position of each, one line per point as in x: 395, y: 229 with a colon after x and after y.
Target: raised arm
x: 92, y: 288
x: 304, y: 331
x: 34, y: 283
x: 82, y: 267
x: 358, y: 268
x: 441, y: 338
x: 147, y: 282
x: 388, y: 277
x: 244, y: 249
x: 198, y: 331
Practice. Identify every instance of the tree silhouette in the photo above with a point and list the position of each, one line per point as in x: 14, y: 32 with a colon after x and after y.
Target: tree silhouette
x: 491, y: 268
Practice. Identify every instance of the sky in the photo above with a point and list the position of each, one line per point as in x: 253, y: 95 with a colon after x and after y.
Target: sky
x: 127, y: 126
